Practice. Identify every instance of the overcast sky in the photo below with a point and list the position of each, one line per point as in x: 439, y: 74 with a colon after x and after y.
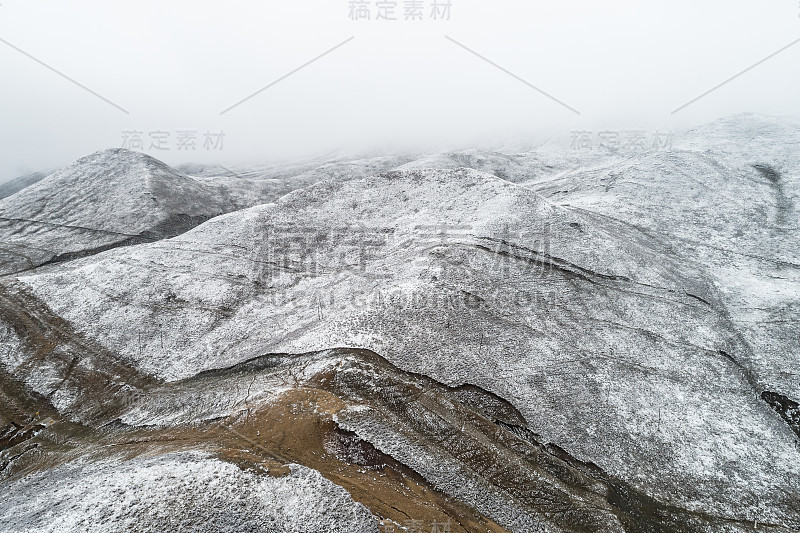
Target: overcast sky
x: 175, y: 66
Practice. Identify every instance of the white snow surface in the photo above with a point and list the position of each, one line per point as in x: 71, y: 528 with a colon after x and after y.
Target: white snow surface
x: 106, y: 199
x: 620, y: 366
x: 619, y: 306
x: 179, y: 491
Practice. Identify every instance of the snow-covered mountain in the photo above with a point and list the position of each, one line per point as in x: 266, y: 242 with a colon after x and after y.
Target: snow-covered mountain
x: 606, y: 344
x: 13, y: 186
x: 111, y: 198
x: 726, y: 198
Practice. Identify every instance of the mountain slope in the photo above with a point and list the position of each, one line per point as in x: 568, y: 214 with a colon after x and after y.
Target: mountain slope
x: 11, y: 187
x: 107, y: 199
x: 610, y: 346
x: 727, y: 198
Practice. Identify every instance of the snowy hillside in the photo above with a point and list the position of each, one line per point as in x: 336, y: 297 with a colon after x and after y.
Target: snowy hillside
x: 538, y: 341
x: 107, y: 199
x: 725, y: 198
x: 10, y: 187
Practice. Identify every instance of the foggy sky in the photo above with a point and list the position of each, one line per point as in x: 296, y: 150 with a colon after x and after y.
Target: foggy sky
x: 397, y: 85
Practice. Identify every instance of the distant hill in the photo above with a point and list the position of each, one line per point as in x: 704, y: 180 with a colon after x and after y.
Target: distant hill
x: 10, y: 187
x: 107, y: 199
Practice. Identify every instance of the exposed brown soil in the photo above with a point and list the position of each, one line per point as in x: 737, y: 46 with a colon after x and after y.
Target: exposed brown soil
x: 482, y: 434
x: 296, y: 429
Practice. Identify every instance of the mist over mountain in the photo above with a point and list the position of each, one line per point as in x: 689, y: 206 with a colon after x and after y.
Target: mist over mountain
x: 548, y: 340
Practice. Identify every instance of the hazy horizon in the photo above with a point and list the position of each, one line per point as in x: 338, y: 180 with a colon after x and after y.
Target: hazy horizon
x: 290, y: 81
